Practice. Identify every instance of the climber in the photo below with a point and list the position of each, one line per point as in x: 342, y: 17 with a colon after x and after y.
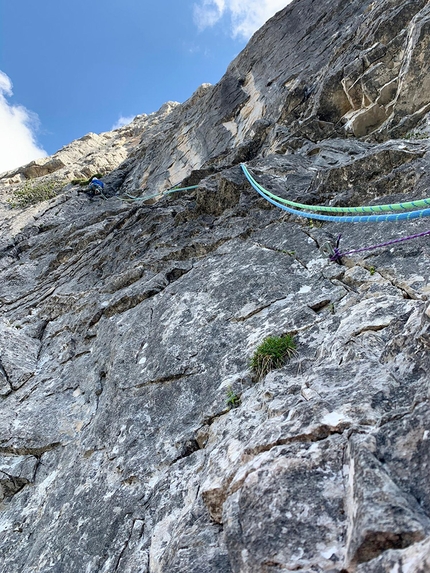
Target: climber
x: 96, y: 186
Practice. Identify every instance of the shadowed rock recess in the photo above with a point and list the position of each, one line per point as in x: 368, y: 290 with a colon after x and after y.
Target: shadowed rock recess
x: 126, y: 326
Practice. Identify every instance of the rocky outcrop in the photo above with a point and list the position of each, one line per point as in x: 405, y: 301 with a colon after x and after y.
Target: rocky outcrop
x: 126, y: 327
x: 92, y: 153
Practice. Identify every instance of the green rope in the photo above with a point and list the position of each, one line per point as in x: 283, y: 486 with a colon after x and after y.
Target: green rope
x: 419, y: 204
x: 174, y: 189
x: 406, y: 215
x: 167, y: 192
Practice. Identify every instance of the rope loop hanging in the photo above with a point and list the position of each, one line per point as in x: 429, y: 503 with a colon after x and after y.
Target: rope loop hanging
x: 333, y: 252
x: 279, y: 202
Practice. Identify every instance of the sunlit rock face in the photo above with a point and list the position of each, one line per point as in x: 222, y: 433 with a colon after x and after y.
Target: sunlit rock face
x: 128, y: 327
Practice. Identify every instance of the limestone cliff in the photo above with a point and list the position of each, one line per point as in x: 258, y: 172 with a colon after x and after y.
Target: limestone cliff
x: 126, y: 327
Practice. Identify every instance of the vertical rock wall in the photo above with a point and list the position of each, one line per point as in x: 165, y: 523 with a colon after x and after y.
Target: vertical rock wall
x: 127, y: 327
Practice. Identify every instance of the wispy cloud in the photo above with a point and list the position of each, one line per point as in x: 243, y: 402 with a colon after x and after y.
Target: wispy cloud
x: 245, y: 16
x: 122, y: 121
x: 18, y: 144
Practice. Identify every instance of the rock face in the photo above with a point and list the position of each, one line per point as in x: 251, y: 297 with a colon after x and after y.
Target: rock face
x: 92, y: 153
x: 125, y: 327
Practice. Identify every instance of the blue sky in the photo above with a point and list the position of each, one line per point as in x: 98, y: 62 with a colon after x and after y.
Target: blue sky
x: 67, y: 68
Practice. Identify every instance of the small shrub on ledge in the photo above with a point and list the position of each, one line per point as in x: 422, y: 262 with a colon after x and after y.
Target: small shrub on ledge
x: 32, y: 193
x: 273, y: 353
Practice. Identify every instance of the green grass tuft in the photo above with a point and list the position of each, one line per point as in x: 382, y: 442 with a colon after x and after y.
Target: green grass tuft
x: 85, y: 182
x: 32, y: 193
x: 416, y: 135
x: 273, y: 353
x: 233, y: 400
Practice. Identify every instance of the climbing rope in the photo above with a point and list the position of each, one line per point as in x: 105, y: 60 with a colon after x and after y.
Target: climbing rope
x: 335, y: 255
x: 406, y: 216
x: 418, y: 204
x: 175, y: 189
x: 334, y: 252
x: 167, y: 192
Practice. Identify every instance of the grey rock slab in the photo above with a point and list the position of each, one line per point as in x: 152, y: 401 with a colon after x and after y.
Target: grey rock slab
x: 15, y: 472
x: 134, y: 320
x: 409, y: 467
x: 381, y: 516
x: 301, y: 488
x: 13, y: 344
x: 414, y: 559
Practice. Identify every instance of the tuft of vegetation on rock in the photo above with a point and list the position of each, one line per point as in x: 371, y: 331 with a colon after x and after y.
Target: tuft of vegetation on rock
x: 233, y: 399
x: 273, y: 353
x: 32, y: 193
x: 84, y: 182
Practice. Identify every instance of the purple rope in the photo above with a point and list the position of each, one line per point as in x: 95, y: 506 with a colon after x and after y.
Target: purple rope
x: 337, y: 255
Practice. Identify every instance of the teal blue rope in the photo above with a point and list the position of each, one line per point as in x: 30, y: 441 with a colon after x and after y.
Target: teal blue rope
x: 406, y: 206
x: 173, y: 190
x: 409, y: 215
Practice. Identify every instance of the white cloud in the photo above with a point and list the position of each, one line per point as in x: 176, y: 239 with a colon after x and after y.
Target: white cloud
x: 18, y: 144
x: 208, y: 13
x: 246, y: 16
x: 122, y: 121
